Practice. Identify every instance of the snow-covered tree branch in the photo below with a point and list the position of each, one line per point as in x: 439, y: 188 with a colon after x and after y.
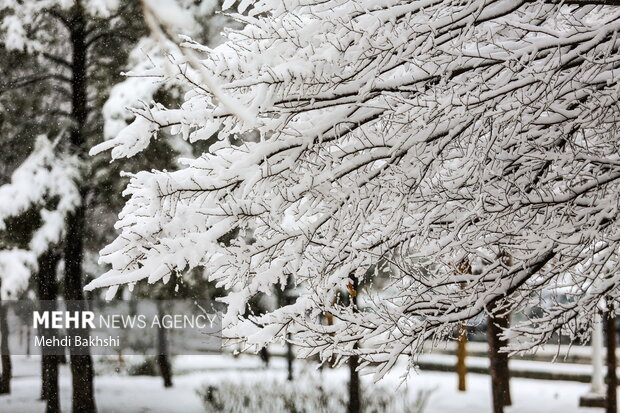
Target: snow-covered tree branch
x: 426, y: 133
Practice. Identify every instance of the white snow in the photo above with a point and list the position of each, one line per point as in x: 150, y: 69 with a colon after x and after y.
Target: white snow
x: 121, y: 394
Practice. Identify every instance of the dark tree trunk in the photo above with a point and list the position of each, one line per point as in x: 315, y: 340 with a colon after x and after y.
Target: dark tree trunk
x: 355, y: 403
x: 47, y: 289
x: 354, y: 387
x: 81, y: 362
x: 498, y: 361
x: 163, y: 360
x: 289, y: 358
x: 165, y: 368
x: 265, y: 355
x: 28, y: 342
x: 49, y: 380
x: 612, y: 379
x: 5, y: 379
x: 82, y: 373
x: 83, y: 399
x: 285, y: 298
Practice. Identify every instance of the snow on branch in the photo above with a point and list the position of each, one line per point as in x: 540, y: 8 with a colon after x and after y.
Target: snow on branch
x: 45, y: 181
x: 419, y: 134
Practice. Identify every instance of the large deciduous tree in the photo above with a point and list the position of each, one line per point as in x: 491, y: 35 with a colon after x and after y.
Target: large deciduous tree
x: 420, y: 133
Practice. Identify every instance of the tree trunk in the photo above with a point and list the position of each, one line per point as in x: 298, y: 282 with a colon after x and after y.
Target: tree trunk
x: 354, y: 386
x: 612, y: 379
x: 464, y: 267
x: 47, y: 289
x: 49, y: 380
x: 162, y: 351
x: 5, y: 379
x: 498, y: 361
x: 81, y: 362
x: 289, y: 358
x: 265, y: 355
x: 82, y: 373
x: 355, y: 404
x: 461, y: 353
x: 165, y: 368
x: 284, y: 298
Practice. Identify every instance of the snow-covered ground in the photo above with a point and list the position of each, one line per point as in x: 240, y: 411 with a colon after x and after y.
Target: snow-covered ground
x: 143, y: 394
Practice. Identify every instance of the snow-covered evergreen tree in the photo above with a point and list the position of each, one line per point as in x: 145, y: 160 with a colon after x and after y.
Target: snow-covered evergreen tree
x: 33, y: 208
x: 44, y: 184
x: 59, y: 61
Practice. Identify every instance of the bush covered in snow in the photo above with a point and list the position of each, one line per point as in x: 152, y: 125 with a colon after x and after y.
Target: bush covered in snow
x: 305, y: 396
x: 133, y: 365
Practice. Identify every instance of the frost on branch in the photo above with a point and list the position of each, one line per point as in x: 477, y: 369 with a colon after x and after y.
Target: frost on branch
x: 422, y: 134
x: 45, y: 183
